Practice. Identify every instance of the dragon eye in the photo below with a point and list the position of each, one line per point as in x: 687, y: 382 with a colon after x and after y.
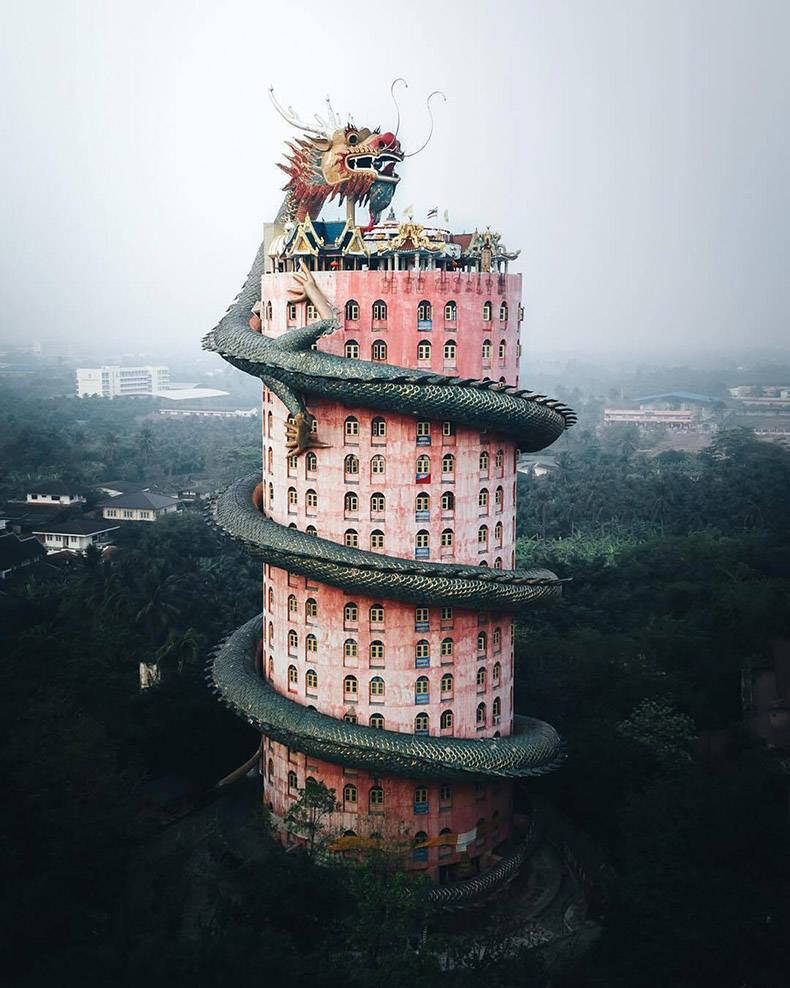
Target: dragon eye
x: 353, y: 139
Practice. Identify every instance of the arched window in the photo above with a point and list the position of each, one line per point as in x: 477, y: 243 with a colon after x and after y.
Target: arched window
x: 350, y: 649
x: 485, y: 351
x: 293, y: 782
x: 270, y: 770
x: 271, y: 633
x: 352, y: 310
x: 421, y: 724
x: 421, y: 800
x: 269, y: 310
x: 450, y: 312
x: 449, y: 352
x: 447, y: 685
x: 419, y: 853
x: 351, y: 538
x: 422, y: 544
x: 292, y: 605
x: 497, y: 639
x: 379, y: 310
x: 448, y: 464
x: 271, y: 493
x: 503, y: 311
x: 378, y: 428
x: 293, y: 640
x: 481, y: 679
x: 422, y: 652
x: 350, y: 614
x: 496, y: 672
x: 376, y: 652
x: 482, y: 538
x: 376, y: 799
x: 499, y: 498
x: 350, y: 687
x: 482, y: 500
x: 311, y: 313
x: 377, y: 722
x: 310, y: 462
x: 293, y: 677
x: 378, y: 504
x: 498, y: 531
x: 351, y: 465
x: 377, y: 614
x: 447, y: 538
x: 349, y: 796
x: 378, y: 351
x: 502, y: 349
x: 446, y: 721
x: 484, y: 460
x: 310, y: 644
x: 270, y: 460
x: 351, y: 428
x: 376, y: 690
x: 487, y: 311
x: 271, y: 599
x: 378, y: 466
x: 269, y: 423
x: 351, y: 350
x: 310, y: 502
x: 496, y: 710
x: 421, y: 690
x: 350, y: 717
x: 423, y: 467
x: 377, y: 539
x: 424, y: 350
x: 482, y: 643
x: 424, y: 315
x: 311, y: 530
x: 499, y: 459
x: 498, y: 562
x: 422, y: 505
x: 447, y: 650
x: 311, y: 681
x: 350, y: 503
x: 448, y: 500
x: 480, y: 715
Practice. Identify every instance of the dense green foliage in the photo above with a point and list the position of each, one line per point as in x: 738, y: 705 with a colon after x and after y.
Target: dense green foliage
x: 679, y: 566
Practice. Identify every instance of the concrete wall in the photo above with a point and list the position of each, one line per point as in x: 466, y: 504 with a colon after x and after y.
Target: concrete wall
x: 329, y: 630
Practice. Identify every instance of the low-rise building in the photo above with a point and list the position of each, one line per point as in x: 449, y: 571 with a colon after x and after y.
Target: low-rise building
x: 56, y: 495
x: 114, y: 381
x: 139, y: 506
x: 17, y: 553
x: 75, y: 535
x: 678, y: 410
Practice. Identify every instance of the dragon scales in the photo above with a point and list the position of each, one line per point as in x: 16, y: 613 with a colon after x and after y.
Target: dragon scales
x: 295, y: 372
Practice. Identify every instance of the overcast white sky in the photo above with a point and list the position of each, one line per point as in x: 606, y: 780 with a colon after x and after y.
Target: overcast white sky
x: 637, y: 152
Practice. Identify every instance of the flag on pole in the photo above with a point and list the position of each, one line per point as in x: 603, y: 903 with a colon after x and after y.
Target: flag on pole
x: 433, y: 213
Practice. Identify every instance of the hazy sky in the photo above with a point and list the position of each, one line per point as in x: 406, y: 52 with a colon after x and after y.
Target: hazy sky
x: 637, y: 153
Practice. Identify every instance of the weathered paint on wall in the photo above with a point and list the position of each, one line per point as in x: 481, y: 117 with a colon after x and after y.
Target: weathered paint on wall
x: 313, y: 639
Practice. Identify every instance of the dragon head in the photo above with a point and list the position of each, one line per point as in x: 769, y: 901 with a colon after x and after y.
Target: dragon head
x: 353, y: 163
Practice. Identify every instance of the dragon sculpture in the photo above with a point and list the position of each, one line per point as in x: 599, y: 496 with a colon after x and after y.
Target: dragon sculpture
x: 331, y: 161
x: 358, y: 163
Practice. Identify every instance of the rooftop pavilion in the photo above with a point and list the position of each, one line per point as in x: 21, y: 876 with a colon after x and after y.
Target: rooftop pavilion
x: 388, y: 246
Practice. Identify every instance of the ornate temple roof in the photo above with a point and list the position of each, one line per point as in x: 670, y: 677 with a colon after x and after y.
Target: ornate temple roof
x: 482, y: 251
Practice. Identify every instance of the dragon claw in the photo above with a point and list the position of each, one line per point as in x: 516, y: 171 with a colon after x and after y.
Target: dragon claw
x: 300, y: 436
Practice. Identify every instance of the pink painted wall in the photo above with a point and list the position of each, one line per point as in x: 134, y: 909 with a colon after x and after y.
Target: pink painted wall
x: 319, y: 643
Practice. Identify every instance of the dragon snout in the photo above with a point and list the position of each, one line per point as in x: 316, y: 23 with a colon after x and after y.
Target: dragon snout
x: 388, y: 142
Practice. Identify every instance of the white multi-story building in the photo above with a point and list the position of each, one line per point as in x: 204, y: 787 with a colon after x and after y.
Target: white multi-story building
x: 114, y: 381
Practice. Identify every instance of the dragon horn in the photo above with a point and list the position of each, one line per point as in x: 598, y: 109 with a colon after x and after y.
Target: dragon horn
x: 436, y: 92
x: 290, y: 117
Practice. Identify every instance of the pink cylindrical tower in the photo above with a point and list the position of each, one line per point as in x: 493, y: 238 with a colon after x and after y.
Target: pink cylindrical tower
x: 412, y: 488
